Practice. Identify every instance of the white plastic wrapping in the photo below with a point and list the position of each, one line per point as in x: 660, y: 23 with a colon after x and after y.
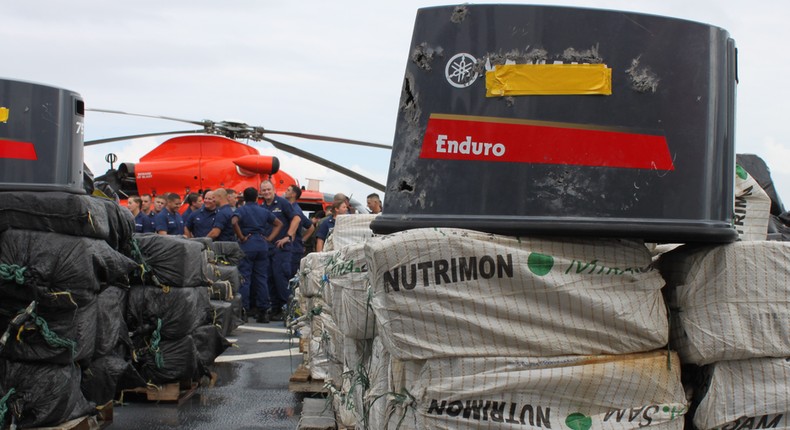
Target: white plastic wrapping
x: 349, y: 230
x: 746, y: 394
x: 573, y: 392
x: 460, y: 293
x: 731, y: 302
x: 752, y: 207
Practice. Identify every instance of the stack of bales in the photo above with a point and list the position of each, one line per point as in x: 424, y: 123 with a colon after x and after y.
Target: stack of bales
x: 169, y: 314
x: 339, y: 325
x: 730, y: 311
x: 224, y: 281
x: 487, y: 330
x: 63, y: 285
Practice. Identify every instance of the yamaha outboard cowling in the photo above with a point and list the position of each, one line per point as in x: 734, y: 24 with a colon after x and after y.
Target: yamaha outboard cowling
x: 41, y: 138
x: 542, y: 120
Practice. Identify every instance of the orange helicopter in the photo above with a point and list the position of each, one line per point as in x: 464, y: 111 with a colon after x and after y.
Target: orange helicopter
x: 212, y: 158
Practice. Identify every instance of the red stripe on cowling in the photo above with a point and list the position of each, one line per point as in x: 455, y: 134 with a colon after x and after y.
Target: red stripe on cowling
x: 532, y: 142
x: 17, y: 150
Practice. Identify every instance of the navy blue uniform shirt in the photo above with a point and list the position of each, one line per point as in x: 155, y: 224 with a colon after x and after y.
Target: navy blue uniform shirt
x: 326, y: 228
x: 201, y: 222
x: 144, y: 223
x: 170, y: 222
x: 254, y: 220
x: 282, y: 209
x: 298, y: 244
x: 222, y: 221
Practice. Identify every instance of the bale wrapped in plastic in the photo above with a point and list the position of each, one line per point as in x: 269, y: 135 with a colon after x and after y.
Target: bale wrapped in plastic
x: 350, y: 230
x: 222, y: 316
x: 177, y: 311
x: 59, y: 212
x: 102, y: 376
x: 452, y: 292
x: 41, y: 335
x: 210, y: 343
x: 577, y: 392
x: 221, y: 290
x: 170, y: 361
x: 52, y: 263
x: 729, y: 302
x: 744, y: 394
x: 110, y: 317
x: 219, y: 274
x: 121, y: 225
x: 173, y: 260
x: 354, y: 316
x: 41, y: 395
x: 228, y: 253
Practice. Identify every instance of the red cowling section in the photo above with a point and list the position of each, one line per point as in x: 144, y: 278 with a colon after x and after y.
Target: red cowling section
x: 258, y: 163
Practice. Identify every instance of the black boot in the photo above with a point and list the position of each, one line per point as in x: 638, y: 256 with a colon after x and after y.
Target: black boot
x: 264, y: 316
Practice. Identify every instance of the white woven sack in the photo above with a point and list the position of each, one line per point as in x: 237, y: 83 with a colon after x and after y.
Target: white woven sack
x: 311, y: 272
x: 732, y: 302
x: 746, y: 394
x: 354, y: 317
x: 326, y: 350
x: 573, y: 392
x: 460, y: 293
x: 349, y: 230
x: 375, y: 396
x: 752, y: 207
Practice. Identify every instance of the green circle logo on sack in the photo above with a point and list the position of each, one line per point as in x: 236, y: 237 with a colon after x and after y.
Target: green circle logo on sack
x: 540, y: 264
x: 741, y: 172
x: 578, y: 421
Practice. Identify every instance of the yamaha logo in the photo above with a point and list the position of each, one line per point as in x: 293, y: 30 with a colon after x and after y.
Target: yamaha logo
x: 460, y: 70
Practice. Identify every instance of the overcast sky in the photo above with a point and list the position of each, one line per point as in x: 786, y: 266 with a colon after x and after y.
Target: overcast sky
x: 333, y: 68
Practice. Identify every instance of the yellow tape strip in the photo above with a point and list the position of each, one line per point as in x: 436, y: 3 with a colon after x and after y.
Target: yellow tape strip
x: 549, y: 79
x: 3, y: 114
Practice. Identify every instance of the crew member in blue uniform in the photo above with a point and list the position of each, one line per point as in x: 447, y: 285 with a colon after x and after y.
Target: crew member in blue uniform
x: 280, y: 256
x: 339, y: 207
x: 202, y: 221
x: 169, y: 221
x: 146, y: 209
x: 222, y: 229
x: 250, y: 224
x: 142, y: 222
x: 305, y: 229
x: 194, y: 202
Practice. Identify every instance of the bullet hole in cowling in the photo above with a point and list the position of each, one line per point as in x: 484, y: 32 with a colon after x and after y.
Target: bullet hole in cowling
x: 404, y: 186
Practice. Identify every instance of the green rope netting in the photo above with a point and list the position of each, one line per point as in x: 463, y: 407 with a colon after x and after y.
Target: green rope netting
x: 13, y: 272
x: 156, y: 337
x: 4, y: 406
x: 137, y: 255
x: 52, y: 338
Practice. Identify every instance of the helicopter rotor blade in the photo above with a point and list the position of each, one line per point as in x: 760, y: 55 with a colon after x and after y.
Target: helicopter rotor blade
x: 324, y: 162
x: 325, y: 138
x: 205, y: 123
x: 137, y: 136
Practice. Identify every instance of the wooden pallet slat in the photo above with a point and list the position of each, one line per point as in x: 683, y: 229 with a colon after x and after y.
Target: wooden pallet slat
x: 171, y: 392
x: 301, y: 382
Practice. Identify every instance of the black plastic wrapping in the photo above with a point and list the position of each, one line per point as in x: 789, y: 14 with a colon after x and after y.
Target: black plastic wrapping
x: 44, y: 394
x: 110, y: 318
x: 181, y: 310
x: 102, y: 378
x: 173, y: 260
x: 65, y: 213
x: 63, y: 263
x: 210, y: 343
x: 228, y: 253
x: 179, y: 362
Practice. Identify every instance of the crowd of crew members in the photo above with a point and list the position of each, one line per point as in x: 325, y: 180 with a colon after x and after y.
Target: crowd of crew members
x: 272, y: 230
